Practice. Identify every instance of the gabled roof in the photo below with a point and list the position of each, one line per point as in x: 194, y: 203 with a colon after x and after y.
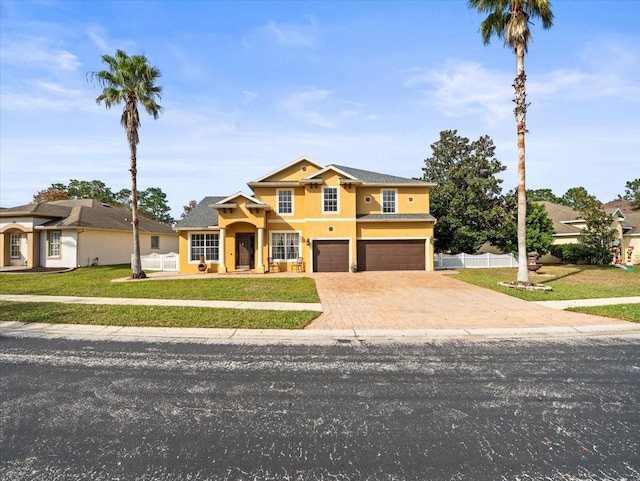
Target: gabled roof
x: 228, y: 201
x: 41, y: 210
x: 562, y: 216
x: 201, y: 216
x: 280, y: 169
x: 369, y: 177
x: 85, y: 213
x: 349, y: 175
x: 330, y: 168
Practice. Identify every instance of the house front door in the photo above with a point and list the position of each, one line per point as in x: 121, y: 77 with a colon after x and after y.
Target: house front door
x: 245, y: 249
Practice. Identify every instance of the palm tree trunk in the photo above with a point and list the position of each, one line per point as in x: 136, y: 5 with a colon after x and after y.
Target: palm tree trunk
x: 521, y: 124
x: 136, y: 267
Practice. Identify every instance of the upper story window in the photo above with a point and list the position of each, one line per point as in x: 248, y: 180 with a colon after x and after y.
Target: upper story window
x: 155, y: 242
x: 389, y: 202
x: 330, y: 200
x: 204, y: 245
x: 54, y: 243
x: 285, y: 202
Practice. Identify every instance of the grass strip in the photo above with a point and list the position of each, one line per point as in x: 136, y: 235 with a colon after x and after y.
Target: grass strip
x: 568, y: 282
x: 96, y: 282
x: 153, y: 316
x: 627, y: 312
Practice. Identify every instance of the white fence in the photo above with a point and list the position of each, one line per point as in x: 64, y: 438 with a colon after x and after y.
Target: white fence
x: 470, y: 261
x: 160, y: 262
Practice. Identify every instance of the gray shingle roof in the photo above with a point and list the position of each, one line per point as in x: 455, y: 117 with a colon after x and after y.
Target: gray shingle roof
x: 377, y: 178
x: 86, y: 213
x: 201, y: 216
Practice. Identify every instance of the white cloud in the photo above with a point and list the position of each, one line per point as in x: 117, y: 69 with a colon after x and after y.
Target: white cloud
x: 49, y: 96
x: 292, y: 35
x: 464, y: 89
x: 305, y: 105
x: 38, y: 52
x: 96, y: 34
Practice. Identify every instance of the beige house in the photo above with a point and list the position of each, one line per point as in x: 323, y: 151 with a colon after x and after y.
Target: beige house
x: 625, y: 227
x: 309, y: 217
x: 76, y: 233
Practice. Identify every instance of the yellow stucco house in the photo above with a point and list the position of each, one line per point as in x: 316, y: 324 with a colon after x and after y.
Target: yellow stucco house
x: 309, y: 217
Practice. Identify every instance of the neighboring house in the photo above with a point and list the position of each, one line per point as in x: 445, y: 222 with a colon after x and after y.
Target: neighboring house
x: 76, y: 233
x: 312, y: 218
x: 625, y: 227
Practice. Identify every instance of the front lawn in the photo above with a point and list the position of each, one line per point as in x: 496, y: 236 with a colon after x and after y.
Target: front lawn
x: 96, y: 282
x: 568, y: 282
x: 153, y: 316
x: 627, y: 312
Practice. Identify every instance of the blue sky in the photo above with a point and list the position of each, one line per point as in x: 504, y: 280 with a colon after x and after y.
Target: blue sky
x: 251, y: 86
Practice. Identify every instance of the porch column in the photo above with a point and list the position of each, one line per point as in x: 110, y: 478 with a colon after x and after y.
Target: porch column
x: 260, y: 260
x: 222, y: 265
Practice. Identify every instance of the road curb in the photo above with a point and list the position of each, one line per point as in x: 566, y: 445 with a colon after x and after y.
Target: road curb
x: 210, y: 335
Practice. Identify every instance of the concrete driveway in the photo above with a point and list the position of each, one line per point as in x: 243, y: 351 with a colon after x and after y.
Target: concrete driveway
x: 427, y: 300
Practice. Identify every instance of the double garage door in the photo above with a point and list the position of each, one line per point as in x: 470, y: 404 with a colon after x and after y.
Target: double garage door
x: 373, y: 255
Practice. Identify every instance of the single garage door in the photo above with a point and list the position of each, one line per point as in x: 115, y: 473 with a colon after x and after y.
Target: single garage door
x: 331, y: 256
x: 391, y: 255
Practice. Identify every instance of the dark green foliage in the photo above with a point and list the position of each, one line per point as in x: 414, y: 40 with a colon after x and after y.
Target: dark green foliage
x: 632, y: 193
x: 152, y: 202
x: 542, y: 195
x: 598, y: 233
x: 574, y: 253
x: 466, y: 201
x: 577, y: 198
x: 539, y: 227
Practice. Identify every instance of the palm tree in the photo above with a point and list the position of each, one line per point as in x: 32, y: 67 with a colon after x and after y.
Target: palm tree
x: 130, y: 80
x: 509, y: 20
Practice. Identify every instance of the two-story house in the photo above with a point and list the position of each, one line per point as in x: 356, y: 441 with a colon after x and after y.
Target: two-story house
x: 312, y: 218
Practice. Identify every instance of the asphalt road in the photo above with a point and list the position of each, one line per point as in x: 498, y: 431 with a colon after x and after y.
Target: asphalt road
x: 449, y: 410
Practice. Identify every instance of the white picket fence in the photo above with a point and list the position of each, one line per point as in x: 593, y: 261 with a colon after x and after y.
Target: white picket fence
x: 160, y: 262
x: 471, y: 261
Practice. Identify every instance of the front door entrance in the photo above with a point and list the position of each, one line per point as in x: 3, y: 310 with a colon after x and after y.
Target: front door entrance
x: 245, y: 250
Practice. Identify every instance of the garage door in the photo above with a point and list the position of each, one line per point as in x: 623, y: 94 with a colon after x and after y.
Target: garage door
x: 391, y: 255
x: 331, y: 256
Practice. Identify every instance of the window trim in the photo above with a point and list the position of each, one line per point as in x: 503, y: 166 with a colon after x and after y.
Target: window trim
x: 17, y: 245
x: 197, y: 261
x: 272, y: 245
x: 292, y: 193
x: 50, y: 244
x: 157, y: 238
x: 324, y: 189
x: 395, y: 201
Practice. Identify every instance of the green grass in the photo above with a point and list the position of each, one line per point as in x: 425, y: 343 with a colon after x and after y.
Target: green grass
x: 96, y: 282
x: 153, y: 316
x: 568, y: 282
x: 627, y: 312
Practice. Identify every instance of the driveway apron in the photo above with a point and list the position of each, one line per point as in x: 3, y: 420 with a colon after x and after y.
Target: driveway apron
x: 427, y: 300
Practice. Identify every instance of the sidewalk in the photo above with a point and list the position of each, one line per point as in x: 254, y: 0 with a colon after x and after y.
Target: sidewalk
x: 347, y: 336
x: 602, y: 327
x: 269, y: 306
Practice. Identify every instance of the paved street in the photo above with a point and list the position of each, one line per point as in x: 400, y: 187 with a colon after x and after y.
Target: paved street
x: 509, y: 409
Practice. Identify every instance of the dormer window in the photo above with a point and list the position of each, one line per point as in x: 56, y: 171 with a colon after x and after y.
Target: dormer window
x: 389, y: 202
